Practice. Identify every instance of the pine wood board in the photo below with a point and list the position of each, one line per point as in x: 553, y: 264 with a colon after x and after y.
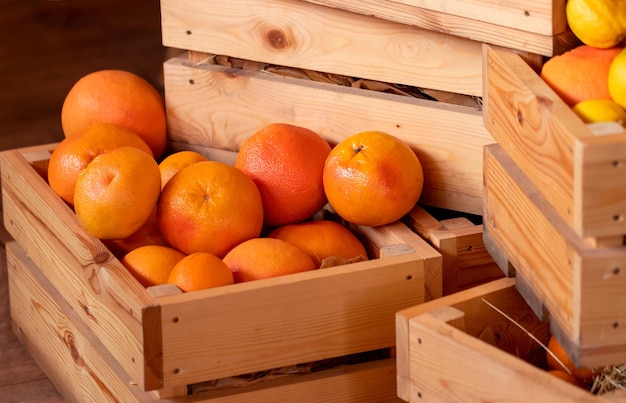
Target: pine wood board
x: 580, y: 174
x: 538, y: 27
x: 300, y: 34
x: 225, y: 106
x: 576, y: 281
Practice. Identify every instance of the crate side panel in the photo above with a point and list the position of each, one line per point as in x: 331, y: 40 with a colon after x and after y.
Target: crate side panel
x: 539, y: 27
x: 63, y: 345
x: 443, y: 368
x: 96, y: 285
x: 223, y: 107
x: 299, y: 34
x: 562, y: 157
x: 574, y: 281
x: 283, y: 321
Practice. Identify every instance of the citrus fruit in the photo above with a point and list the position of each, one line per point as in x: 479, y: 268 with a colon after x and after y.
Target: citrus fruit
x: 597, y: 23
x: 173, y: 163
x: 116, y: 193
x: 321, y: 239
x: 583, y: 374
x: 116, y: 96
x: 72, y: 155
x: 260, y: 258
x: 151, y: 264
x: 199, y: 271
x: 148, y: 234
x: 580, y: 74
x: 617, y: 79
x: 209, y: 207
x: 286, y: 163
x: 600, y: 110
x: 372, y: 178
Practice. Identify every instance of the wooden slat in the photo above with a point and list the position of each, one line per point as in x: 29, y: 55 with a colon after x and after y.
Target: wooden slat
x: 225, y: 106
x: 581, y: 175
x: 403, y: 317
x: 577, y: 283
x: 398, y: 233
x: 70, y: 354
x: 286, y: 320
x: 450, y: 365
x: 300, y: 34
x: 537, y: 27
x: 97, y: 286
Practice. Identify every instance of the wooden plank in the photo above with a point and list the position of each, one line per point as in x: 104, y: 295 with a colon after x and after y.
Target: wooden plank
x: 403, y: 359
x: 537, y: 27
x: 224, y: 106
x: 442, y: 355
x: 465, y: 260
x: 61, y: 342
x: 578, y: 284
x: 580, y: 174
x: 398, y: 233
x: 331, y: 312
x: 97, y: 286
x: 300, y: 34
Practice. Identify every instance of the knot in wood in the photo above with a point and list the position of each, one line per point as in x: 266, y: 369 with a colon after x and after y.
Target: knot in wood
x: 277, y: 39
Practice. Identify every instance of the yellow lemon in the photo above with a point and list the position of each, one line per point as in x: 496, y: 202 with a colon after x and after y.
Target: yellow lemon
x: 617, y: 78
x: 600, y: 110
x: 597, y: 23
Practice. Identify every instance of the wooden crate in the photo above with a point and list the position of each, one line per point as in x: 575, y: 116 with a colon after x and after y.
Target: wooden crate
x: 537, y: 27
x: 459, y: 348
x: 214, y: 105
x: 580, y: 285
x: 466, y: 262
x: 581, y: 174
x: 165, y: 340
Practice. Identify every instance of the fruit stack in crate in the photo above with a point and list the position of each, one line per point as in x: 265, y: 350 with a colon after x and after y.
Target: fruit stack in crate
x: 338, y: 69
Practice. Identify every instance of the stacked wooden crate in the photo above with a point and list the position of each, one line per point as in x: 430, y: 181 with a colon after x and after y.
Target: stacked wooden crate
x: 250, y: 63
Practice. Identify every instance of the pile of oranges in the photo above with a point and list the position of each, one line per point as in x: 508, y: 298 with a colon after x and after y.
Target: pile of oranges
x: 182, y: 219
x: 591, y: 78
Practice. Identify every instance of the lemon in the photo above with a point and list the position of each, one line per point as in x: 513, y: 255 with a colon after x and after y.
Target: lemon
x: 600, y: 110
x: 597, y: 23
x: 617, y: 79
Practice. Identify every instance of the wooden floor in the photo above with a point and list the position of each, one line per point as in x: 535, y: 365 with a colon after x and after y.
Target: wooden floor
x: 45, y: 46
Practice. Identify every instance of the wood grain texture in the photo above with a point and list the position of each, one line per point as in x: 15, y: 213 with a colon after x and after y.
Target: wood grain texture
x: 93, y: 281
x: 575, y: 281
x: 533, y: 26
x: 580, y: 174
x: 300, y: 34
x: 450, y: 365
x: 224, y: 106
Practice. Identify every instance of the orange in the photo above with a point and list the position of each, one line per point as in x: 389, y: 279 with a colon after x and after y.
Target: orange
x: 580, y: 74
x: 148, y: 234
x: 617, y: 79
x: 209, y: 207
x: 597, y: 23
x: 567, y: 377
x: 321, y: 239
x: 583, y: 374
x: 200, y: 271
x: 372, y: 178
x: 152, y: 264
x: 260, y: 258
x: 173, y: 163
x: 116, y: 193
x: 116, y: 96
x: 72, y: 155
x: 286, y: 163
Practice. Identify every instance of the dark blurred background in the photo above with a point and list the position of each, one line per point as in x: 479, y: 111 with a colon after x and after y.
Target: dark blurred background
x: 47, y: 45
